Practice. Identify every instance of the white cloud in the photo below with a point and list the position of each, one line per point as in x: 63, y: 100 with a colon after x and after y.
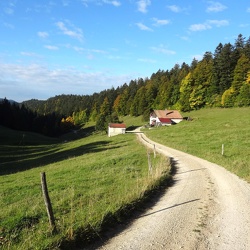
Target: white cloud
x: 141, y: 26
x: 244, y: 25
x: 215, y: 7
x: 130, y: 43
x: 30, y: 54
x: 158, y: 22
x: 8, y: 11
x: 65, y: 3
x: 98, y: 51
x: 197, y: 57
x: 200, y: 27
x: 51, y: 47
x: 78, y: 49
x: 85, y: 2
x: 163, y: 50
x: 185, y: 38
x: 81, y: 49
x: 146, y: 60
x: 218, y: 23
x: 8, y: 25
x: 114, y: 3
x: 208, y: 25
x: 43, y: 34
x: 174, y: 8
x: 74, y: 33
x: 24, y: 82
x: 111, y: 57
x: 142, y: 5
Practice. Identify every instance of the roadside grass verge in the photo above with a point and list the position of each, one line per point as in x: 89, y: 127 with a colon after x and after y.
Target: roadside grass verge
x: 91, y: 181
x: 207, y: 132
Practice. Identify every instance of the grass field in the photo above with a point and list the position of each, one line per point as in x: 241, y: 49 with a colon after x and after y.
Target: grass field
x: 207, y: 132
x: 91, y: 180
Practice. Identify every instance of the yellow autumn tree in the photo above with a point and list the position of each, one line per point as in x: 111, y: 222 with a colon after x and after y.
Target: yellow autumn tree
x: 67, y: 123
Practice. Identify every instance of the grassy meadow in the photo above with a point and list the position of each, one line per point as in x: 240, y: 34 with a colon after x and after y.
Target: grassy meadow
x: 205, y: 134
x: 92, y: 180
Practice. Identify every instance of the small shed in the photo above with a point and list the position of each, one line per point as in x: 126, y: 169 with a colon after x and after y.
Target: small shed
x: 116, y: 129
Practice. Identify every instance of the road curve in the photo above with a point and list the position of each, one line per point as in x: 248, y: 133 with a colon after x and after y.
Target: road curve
x: 206, y: 208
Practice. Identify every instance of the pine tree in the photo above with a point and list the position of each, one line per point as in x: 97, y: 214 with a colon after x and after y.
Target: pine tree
x: 225, y: 67
x: 104, y: 117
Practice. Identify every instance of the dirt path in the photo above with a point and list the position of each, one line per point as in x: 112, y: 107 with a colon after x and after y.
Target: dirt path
x: 206, y: 208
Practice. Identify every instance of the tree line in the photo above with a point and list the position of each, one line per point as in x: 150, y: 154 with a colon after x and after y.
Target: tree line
x: 219, y: 79
x: 17, y: 116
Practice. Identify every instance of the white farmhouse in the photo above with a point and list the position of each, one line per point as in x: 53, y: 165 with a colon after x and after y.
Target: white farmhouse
x: 116, y: 129
x: 165, y: 117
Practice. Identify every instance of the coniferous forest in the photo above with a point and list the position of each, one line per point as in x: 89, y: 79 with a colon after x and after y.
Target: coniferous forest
x: 219, y: 79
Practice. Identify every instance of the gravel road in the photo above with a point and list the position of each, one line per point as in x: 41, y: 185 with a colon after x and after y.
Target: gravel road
x: 206, y: 208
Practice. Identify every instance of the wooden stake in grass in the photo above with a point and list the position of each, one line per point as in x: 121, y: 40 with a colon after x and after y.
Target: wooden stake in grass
x: 222, y: 149
x: 149, y: 164
x: 47, y: 202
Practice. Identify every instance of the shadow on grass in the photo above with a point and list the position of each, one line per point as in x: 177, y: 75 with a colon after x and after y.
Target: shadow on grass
x: 21, y: 161
x: 114, y: 223
x: 78, y: 133
x: 131, y: 128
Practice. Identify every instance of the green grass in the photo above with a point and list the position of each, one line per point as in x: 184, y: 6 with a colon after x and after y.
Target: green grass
x: 91, y: 180
x: 205, y: 134
x: 132, y: 122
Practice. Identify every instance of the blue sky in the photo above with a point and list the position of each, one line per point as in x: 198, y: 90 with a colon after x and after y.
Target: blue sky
x: 55, y: 47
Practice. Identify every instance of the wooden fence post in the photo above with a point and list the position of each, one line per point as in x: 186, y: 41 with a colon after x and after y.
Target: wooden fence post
x: 47, y: 202
x: 149, y: 164
x: 222, y: 149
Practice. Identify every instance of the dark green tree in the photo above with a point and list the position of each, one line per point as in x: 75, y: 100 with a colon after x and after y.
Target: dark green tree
x: 101, y: 123
x: 224, y: 65
x: 104, y: 117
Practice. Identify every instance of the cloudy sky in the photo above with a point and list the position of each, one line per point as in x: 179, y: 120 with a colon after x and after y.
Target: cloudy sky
x: 55, y: 47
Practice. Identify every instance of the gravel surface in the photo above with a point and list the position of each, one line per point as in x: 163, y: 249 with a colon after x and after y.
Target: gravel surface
x: 206, y: 208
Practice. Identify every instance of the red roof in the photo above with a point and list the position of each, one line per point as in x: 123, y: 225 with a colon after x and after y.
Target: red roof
x: 165, y: 120
x: 117, y: 125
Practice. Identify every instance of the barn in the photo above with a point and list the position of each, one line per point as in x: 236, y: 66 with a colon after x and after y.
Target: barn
x: 116, y: 129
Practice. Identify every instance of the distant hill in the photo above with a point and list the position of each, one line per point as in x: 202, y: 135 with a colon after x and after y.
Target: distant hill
x: 34, y: 104
x: 10, y: 101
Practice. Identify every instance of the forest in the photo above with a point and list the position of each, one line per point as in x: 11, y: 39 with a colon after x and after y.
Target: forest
x: 219, y: 79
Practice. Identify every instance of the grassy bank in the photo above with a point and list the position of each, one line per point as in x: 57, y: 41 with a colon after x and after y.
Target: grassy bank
x: 207, y: 132
x: 91, y: 180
